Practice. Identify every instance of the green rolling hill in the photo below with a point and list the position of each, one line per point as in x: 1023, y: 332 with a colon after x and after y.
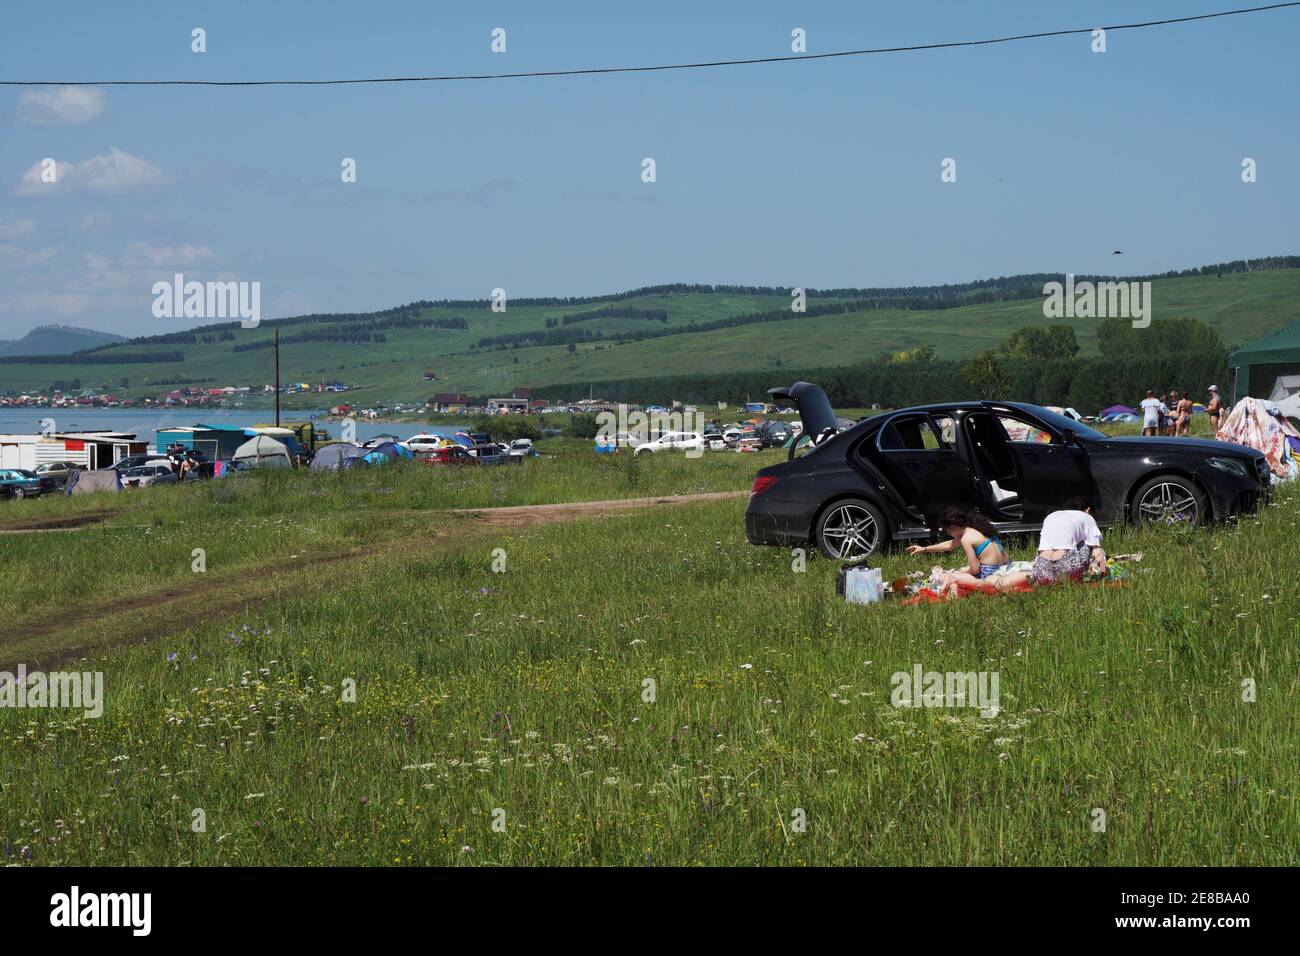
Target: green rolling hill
x: 656, y: 332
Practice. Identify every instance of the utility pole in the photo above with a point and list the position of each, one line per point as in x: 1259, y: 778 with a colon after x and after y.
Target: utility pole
x: 277, y: 378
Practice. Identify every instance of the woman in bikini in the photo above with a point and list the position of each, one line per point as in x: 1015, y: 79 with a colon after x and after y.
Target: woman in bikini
x: 975, y: 534
x: 1184, y: 425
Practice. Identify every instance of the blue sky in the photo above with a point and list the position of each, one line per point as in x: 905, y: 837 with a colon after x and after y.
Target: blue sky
x: 811, y: 174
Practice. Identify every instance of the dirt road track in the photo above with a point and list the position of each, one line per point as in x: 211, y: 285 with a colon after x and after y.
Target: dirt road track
x: 143, y: 615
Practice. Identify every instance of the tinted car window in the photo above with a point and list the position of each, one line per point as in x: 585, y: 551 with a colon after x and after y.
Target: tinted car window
x: 910, y: 433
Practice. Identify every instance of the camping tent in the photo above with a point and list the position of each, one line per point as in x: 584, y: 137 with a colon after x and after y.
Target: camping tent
x: 339, y: 455
x: 1257, y: 367
x: 262, y: 451
x: 1117, y: 410
x: 1252, y: 424
x: 1290, y: 408
x: 1284, y: 387
x: 382, y: 454
x: 84, y: 482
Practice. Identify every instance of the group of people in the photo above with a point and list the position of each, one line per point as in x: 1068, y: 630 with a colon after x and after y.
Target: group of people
x: 1173, y: 415
x: 1069, y: 545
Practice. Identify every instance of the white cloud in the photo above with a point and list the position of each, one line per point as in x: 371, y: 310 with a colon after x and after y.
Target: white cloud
x: 32, y: 184
x: 117, y: 172
x: 95, y: 221
x: 112, y: 173
x: 60, y: 105
x: 183, y: 254
x: 11, y: 229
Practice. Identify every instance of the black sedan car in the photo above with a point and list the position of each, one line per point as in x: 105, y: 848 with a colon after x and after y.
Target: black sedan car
x: 860, y: 486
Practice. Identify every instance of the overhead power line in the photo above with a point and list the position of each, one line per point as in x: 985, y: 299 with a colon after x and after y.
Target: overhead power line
x: 710, y: 64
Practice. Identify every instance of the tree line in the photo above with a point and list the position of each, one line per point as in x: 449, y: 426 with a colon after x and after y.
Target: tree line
x: 614, y: 312
x: 82, y: 358
x: 1173, y: 353
x: 333, y: 335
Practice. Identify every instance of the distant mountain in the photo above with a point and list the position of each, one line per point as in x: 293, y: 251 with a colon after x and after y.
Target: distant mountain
x: 58, y: 340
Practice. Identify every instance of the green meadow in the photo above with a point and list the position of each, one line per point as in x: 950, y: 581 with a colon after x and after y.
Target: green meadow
x: 361, y: 676
x: 1240, y: 306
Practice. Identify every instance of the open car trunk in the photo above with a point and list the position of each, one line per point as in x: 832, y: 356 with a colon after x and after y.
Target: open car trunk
x: 819, y: 419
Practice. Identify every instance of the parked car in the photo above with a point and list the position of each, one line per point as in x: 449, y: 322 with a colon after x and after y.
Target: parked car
x: 495, y: 454
x: 886, y: 478
x: 123, y: 465
x: 423, y: 442
x: 672, y: 441
x: 57, y: 472
x: 523, y: 448
x: 451, y: 455
x: 773, y: 434
x: 22, y: 483
x: 146, y: 476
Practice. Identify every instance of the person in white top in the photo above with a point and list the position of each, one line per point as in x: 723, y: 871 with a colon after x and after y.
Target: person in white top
x: 1153, y: 410
x: 1069, y: 544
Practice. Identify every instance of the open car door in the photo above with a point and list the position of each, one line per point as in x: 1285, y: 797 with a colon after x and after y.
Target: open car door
x: 1050, y: 469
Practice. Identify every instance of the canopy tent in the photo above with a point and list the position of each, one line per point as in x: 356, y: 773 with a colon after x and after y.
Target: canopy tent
x: 1257, y: 367
x: 262, y: 451
x: 1252, y: 424
x: 382, y: 454
x: 85, y: 482
x: 339, y: 455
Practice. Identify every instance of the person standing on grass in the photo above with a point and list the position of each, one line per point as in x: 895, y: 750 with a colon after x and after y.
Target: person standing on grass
x: 1171, y: 419
x: 1214, y: 409
x: 1184, y: 426
x: 1153, y: 410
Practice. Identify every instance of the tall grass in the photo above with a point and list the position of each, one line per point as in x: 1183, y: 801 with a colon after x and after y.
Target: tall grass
x: 521, y: 697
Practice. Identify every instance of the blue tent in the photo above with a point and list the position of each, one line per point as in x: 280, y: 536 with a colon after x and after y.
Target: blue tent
x: 338, y: 455
x: 382, y: 454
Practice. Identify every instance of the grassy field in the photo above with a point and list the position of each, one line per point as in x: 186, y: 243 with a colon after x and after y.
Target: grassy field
x: 504, y: 717
x: 1241, y: 306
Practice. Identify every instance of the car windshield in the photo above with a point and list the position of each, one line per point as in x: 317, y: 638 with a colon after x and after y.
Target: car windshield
x: 1061, y: 422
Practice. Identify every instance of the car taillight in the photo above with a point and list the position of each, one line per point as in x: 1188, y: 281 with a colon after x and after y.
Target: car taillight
x: 761, y: 484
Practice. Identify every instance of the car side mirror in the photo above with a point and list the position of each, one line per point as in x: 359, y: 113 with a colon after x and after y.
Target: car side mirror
x: 1070, y: 435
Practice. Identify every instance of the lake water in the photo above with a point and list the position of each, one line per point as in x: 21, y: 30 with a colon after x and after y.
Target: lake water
x: 144, y: 422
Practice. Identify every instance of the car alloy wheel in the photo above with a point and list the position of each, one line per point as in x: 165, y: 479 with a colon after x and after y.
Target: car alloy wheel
x: 1169, y: 502
x: 849, y: 530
